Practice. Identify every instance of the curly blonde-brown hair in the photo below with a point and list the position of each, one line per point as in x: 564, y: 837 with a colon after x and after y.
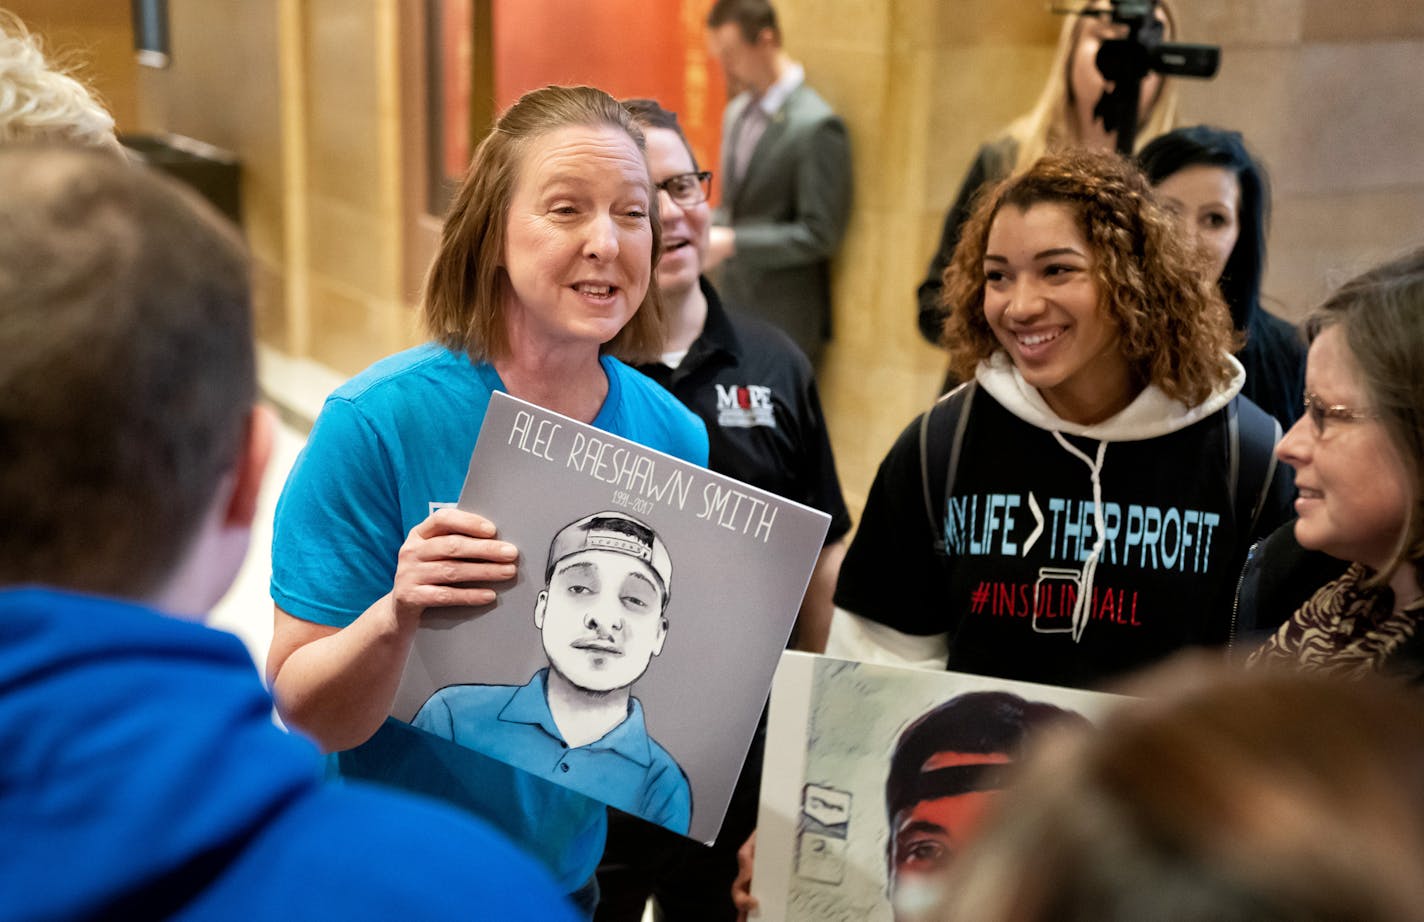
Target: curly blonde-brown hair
x: 1175, y: 329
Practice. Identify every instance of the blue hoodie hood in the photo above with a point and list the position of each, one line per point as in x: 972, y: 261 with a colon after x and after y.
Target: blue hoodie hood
x: 132, y: 742
x: 142, y: 778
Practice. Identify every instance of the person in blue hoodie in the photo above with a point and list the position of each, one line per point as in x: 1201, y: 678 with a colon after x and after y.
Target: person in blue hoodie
x: 143, y: 776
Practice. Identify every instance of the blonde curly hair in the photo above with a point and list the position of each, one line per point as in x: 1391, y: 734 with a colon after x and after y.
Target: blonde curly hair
x: 40, y: 102
x: 1175, y: 329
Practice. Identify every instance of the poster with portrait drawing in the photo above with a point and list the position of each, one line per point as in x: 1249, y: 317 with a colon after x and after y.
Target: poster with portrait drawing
x: 873, y: 776
x: 630, y: 657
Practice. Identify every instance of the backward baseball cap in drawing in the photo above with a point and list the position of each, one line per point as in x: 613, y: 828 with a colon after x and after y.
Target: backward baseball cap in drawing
x: 616, y: 532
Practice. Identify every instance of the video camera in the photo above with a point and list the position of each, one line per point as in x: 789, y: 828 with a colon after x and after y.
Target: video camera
x: 1125, y: 61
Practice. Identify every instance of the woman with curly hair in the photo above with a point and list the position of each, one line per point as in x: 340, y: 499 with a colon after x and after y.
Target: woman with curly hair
x: 1064, y: 116
x: 1093, y: 488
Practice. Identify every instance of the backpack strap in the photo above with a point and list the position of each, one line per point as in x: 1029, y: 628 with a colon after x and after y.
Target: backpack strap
x: 1252, y: 434
x: 951, y: 412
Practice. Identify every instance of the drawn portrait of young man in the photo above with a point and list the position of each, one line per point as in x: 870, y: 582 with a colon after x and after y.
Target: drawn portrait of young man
x: 603, y: 616
x: 946, y: 769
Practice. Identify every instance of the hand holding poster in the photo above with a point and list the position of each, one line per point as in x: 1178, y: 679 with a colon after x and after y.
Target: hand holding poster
x: 630, y: 657
x: 874, y: 775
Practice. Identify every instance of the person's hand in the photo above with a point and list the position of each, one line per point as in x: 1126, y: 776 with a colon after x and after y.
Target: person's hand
x: 445, y: 561
x: 742, y: 887
x: 721, y: 244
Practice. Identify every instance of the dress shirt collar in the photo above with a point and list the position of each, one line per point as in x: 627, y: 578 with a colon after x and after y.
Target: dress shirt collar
x: 774, y: 98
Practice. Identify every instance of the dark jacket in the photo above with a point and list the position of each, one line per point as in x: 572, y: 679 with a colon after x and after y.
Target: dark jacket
x: 992, y: 162
x: 1279, y: 577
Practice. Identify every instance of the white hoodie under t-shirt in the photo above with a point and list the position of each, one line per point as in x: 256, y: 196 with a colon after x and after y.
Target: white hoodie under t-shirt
x: 1073, y: 553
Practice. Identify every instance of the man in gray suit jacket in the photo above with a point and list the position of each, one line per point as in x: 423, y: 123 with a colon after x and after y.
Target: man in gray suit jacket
x: 786, y: 179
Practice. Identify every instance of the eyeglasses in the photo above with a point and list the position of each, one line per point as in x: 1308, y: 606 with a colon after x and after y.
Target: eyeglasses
x: 1319, y: 411
x: 687, y: 189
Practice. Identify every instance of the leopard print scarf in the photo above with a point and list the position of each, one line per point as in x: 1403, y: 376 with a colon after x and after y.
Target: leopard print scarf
x: 1345, y: 629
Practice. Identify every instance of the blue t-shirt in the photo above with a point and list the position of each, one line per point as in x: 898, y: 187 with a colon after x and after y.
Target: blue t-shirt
x: 389, y: 447
x: 624, y: 768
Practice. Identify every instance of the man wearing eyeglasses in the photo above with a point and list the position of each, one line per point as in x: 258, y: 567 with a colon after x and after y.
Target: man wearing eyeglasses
x: 786, y: 179
x: 757, y: 394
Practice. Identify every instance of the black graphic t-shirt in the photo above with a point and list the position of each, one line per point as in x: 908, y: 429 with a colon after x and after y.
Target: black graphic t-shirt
x: 1018, y: 531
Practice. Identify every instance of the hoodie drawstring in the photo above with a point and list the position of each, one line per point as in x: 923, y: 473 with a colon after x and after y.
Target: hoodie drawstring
x: 1083, y: 605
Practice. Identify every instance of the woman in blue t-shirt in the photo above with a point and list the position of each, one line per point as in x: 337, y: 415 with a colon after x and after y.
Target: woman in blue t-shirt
x: 540, y: 288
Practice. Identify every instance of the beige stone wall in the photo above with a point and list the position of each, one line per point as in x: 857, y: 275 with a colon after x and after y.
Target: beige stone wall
x: 221, y: 87
x: 1327, y: 93
x: 921, y: 84
x: 306, y: 92
x: 353, y: 193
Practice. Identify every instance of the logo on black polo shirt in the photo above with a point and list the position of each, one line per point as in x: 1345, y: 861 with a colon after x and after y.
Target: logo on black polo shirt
x: 741, y: 406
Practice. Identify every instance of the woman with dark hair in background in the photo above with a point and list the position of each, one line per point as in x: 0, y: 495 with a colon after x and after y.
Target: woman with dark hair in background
x: 1220, y: 192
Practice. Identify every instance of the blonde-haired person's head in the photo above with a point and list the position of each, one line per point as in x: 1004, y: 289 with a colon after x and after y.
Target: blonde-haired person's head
x: 39, y: 102
x: 1052, y: 122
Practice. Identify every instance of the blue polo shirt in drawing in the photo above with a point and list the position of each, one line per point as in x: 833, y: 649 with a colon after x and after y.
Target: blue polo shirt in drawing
x: 389, y: 446
x: 512, y: 723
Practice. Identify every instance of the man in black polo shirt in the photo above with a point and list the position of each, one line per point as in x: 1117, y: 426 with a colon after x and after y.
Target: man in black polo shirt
x: 756, y: 392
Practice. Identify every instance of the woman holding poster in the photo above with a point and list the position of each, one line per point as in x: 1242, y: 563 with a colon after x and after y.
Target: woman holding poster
x: 540, y: 288
x: 1092, y: 491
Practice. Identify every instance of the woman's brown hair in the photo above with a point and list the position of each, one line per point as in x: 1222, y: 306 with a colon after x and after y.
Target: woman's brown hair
x: 463, y: 306
x: 1176, y: 330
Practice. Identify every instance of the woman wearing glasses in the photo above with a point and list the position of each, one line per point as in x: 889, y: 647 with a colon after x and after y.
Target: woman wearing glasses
x: 1358, y: 454
x: 1081, y: 506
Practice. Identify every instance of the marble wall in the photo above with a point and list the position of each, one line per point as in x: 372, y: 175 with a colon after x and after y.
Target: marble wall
x: 1325, y: 92
x: 313, y: 97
